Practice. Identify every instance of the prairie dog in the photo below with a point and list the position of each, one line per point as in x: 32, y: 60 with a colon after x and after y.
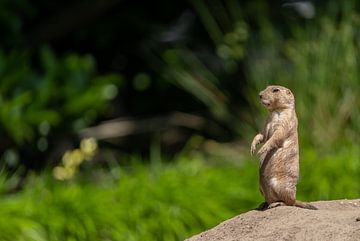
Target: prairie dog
x: 279, y: 156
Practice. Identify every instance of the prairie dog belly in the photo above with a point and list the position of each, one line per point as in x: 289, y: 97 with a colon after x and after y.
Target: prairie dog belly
x: 282, y: 162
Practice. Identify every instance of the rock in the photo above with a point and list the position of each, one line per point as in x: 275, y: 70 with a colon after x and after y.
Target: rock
x: 335, y: 220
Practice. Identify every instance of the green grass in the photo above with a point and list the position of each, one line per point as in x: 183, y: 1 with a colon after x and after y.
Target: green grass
x: 160, y: 202
x: 169, y: 202
x: 331, y: 175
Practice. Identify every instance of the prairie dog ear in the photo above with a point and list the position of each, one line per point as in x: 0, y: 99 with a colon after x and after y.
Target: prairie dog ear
x: 288, y: 92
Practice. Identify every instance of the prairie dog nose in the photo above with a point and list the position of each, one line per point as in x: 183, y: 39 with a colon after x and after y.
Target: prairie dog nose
x: 260, y: 95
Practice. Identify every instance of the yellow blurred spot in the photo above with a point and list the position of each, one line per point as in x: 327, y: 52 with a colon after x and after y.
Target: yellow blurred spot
x: 77, y: 157
x: 71, y: 160
x: 88, y: 147
x: 62, y: 173
x: 66, y: 159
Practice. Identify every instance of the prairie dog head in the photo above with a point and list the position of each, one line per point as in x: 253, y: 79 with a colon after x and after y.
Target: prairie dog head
x: 276, y: 97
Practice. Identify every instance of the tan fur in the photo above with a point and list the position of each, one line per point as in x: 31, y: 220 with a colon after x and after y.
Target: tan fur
x: 279, y: 156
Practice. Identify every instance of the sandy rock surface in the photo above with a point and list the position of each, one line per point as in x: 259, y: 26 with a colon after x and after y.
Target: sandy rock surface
x: 335, y: 220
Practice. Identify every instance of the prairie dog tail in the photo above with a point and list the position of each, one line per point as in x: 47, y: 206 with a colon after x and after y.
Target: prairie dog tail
x: 306, y: 205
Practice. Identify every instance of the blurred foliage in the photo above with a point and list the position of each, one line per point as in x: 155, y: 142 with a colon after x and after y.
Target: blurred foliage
x: 13, y: 14
x: 160, y: 201
x: 64, y: 94
x: 243, y: 47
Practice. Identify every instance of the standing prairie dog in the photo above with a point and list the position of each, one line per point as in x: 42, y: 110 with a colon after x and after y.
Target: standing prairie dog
x: 279, y: 156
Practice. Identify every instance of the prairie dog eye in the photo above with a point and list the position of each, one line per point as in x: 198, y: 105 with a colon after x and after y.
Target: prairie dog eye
x: 275, y: 90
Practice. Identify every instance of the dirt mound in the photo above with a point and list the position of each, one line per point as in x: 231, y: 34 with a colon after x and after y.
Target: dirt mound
x: 335, y: 220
